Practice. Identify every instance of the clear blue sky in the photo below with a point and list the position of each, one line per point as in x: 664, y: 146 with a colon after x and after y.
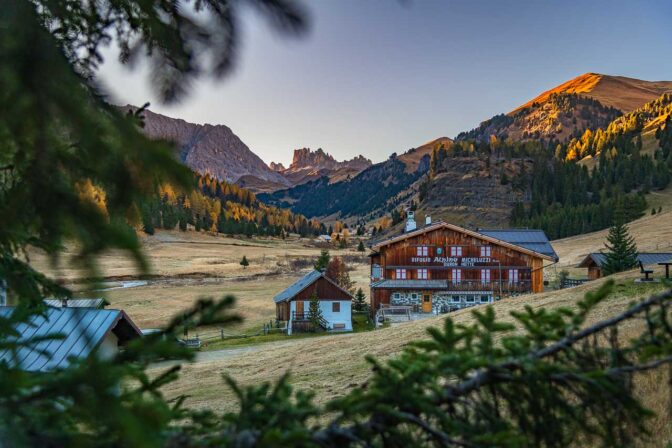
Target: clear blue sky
x: 374, y: 77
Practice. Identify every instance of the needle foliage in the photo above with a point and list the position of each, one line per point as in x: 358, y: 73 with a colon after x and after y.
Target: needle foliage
x: 551, y: 380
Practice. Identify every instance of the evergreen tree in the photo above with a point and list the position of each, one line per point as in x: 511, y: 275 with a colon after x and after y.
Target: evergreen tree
x: 147, y: 220
x: 323, y: 260
x: 621, y: 252
x: 360, y: 247
x: 315, y: 316
x: 244, y: 263
x: 359, y: 303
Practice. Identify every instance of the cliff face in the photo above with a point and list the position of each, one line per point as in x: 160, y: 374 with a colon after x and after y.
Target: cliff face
x: 469, y: 191
x: 305, y: 158
x: 309, y: 165
x: 213, y: 149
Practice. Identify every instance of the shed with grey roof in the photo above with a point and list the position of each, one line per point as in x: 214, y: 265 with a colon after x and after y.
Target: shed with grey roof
x: 98, y: 303
x: 49, y: 341
x: 595, y: 261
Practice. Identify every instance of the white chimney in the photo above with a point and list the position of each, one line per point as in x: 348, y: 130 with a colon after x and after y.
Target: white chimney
x: 410, y: 221
x: 428, y: 220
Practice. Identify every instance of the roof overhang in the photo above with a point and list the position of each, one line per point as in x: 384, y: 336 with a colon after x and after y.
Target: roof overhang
x: 588, y: 262
x: 445, y: 225
x: 288, y: 299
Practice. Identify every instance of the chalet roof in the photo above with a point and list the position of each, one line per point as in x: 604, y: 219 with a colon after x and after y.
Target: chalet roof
x: 302, y: 284
x: 77, y: 303
x: 81, y: 331
x: 532, y: 242
x: 532, y: 239
x: 646, y: 258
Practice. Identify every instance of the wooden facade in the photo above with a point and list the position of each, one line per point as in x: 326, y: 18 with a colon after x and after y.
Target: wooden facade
x: 442, y: 259
x: 326, y: 290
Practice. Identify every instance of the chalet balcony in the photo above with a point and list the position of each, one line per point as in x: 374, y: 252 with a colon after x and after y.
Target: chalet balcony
x: 494, y: 285
x: 300, y: 316
x: 521, y: 286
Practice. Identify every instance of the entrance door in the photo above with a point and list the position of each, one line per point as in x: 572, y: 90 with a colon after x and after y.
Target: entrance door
x: 299, y: 309
x: 426, y: 303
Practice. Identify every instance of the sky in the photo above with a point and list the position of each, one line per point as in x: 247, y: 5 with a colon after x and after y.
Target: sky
x: 374, y: 77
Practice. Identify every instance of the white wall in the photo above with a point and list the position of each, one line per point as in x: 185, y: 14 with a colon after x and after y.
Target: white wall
x: 109, y: 347
x: 344, y: 316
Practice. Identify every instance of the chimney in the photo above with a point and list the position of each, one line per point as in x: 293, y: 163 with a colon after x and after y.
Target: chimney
x: 64, y: 303
x: 428, y: 220
x: 410, y: 221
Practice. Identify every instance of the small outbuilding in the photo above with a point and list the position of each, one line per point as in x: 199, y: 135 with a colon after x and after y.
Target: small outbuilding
x: 596, y: 260
x: 82, y: 331
x: 293, y: 304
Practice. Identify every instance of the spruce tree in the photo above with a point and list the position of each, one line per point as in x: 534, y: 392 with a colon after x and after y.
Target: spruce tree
x: 314, y: 312
x: 244, y: 263
x: 359, y: 304
x: 621, y: 252
x: 323, y: 260
x: 360, y: 247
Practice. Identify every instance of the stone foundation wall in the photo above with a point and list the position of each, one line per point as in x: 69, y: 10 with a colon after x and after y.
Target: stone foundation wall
x: 441, y: 301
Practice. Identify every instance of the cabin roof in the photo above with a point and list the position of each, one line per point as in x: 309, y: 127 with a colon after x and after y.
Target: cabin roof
x: 302, y: 284
x: 646, y: 258
x: 81, y: 330
x: 532, y: 242
x: 77, y: 303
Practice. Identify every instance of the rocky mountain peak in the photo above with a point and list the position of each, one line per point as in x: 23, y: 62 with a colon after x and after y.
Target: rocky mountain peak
x: 277, y: 166
x: 320, y: 160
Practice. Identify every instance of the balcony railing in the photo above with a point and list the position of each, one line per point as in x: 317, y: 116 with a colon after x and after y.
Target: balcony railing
x: 493, y: 285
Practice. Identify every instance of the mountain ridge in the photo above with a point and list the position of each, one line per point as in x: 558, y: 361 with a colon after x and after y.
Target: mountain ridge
x: 209, y: 149
x: 620, y: 92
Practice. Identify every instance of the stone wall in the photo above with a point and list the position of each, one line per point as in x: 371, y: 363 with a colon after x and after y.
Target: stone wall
x: 443, y: 301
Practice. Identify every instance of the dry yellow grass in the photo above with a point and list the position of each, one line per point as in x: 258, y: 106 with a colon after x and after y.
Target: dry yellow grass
x: 620, y: 92
x: 186, y: 266
x: 652, y: 233
x: 333, y: 365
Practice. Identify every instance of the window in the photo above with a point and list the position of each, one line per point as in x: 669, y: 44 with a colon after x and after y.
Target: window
x: 422, y: 251
x: 485, y: 275
x: 456, y: 251
x: 335, y: 307
x: 396, y: 296
x: 422, y: 274
x: 455, y: 299
x: 414, y: 296
x: 513, y: 276
x: 456, y: 275
x: 376, y: 271
x: 486, y: 251
x: 485, y: 299
x: 470, y: 299
x: 400, y: 274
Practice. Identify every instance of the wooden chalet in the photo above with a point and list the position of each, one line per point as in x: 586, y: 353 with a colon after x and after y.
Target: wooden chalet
x: 595, y: 261
x: 292, y: 305
x: 442, y: 267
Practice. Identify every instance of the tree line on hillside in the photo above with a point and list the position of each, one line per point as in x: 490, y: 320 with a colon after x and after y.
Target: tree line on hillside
x: 559, y: 107
x: 218, y: 206
x: 565, y: 197
x: 369, y: 190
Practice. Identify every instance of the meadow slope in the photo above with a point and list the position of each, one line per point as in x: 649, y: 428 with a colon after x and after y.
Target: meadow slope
x: 332, y: 365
